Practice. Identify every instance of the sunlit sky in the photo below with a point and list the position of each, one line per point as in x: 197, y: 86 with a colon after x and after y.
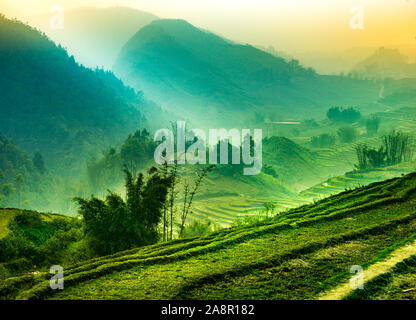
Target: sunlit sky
x: 288, y: 25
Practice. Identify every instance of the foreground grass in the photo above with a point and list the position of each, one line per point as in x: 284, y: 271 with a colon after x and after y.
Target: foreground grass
x: 299, y: 254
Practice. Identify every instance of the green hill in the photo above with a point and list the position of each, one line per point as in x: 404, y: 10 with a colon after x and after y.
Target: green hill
x: 51, y: 104
x: 226, y: 194
x: 301, y: 253
x: 194, y: 72
x: 355, y: 179
x: 29, y: 239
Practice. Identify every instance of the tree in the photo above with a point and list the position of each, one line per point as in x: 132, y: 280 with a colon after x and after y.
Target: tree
x: 136, y: 149
x: 39, y: 163
x: 19, y: 183
x: 115, y: 224
x: 395, y: 149
x: 347, y: 115
x: 269, y: 208
x: 172, y: 195
x: 372, y: 124
x: 189, y: 196
x: 398, y: 147
x: 324, y: 140
x: 347, y: 134
x: 369, y: 158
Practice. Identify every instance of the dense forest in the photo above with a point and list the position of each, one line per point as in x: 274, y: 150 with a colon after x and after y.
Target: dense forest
x: 50, y: 103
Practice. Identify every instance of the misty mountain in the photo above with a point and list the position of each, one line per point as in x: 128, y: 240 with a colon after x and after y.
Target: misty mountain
x: 51, y: 104
x: 197, y: 73
x: 334, y: 62
x: 95, y: 36
x: 385, y: 63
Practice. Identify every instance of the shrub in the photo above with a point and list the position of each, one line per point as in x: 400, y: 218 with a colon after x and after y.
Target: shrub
x: 310, y: 123
x: 348, y: 115
x: 113, y: 224
x: 270, y: 170
x: 198, y: 228
x: 372, y: 124
x: 369, y: 158
x: 398, y: 147
x: 347, y: 134
x: 324, y: 140
x: 35, y: 242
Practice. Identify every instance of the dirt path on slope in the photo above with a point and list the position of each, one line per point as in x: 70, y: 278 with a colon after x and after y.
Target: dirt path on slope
x: 372, y: 271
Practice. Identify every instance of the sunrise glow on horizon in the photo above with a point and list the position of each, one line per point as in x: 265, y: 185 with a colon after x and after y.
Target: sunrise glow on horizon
x: 292, y: 26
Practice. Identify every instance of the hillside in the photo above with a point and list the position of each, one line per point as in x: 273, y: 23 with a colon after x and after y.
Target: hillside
x: 95, y: 36
x: 303, y: 253
x: 29, y: 239
x: 226, y: 194
x: 354, y: 179
x: 24, y: 180
x: 49, y: 103
x: 385, y: 63
x: 194, y: 72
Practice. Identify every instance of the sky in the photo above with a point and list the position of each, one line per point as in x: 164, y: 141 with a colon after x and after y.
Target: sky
x: 288, y: 25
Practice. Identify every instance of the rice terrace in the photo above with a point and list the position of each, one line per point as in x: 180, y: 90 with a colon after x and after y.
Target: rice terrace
x: 167, y: 153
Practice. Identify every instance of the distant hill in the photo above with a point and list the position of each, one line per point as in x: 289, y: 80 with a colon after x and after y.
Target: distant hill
x: 95, y: 36
x: 195, y: 72
x: 49, y: 103
x: 385, y: 63
x: 334, y: 62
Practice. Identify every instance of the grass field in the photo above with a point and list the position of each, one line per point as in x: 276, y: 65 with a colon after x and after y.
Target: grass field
x: 5, y: 216
x: 300, y: 254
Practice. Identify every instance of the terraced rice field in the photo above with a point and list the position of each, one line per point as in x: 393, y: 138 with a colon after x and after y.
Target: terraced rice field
x: 302, y: 253
x: 355, y: 179
x: 223, y: 211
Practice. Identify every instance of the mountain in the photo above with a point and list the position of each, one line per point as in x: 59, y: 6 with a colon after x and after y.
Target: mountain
x: 51, y: 104
x: 195, y: 72
x: 385, y: 63
x: 334, y: 62
x: 302, y: 253
x: 95, y: 36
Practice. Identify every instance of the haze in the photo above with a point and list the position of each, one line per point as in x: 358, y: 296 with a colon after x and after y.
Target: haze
x: 318, y: 33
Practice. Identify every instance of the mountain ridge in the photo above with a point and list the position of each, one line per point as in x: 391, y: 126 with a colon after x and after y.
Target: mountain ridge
x: 191, y: 70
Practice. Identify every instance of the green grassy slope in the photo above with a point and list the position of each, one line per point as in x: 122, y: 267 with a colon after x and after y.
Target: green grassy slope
x: 355, y: 179
x: 7, y: 214
x: 298, y: 255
